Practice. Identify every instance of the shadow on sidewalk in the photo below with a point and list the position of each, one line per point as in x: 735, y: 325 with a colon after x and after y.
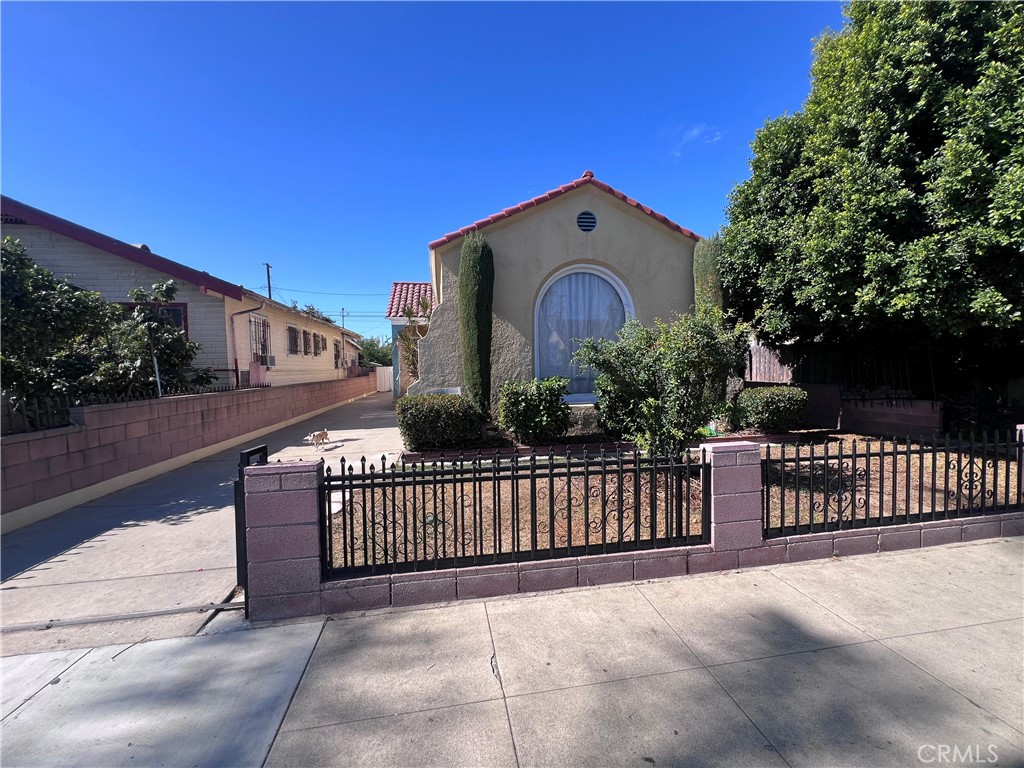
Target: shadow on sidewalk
x: 185, y: 494
x: 856, y: 704
x: 172, y: 499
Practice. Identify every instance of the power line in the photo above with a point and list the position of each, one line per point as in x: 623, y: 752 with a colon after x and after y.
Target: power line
x: 375, y: 327
x: 328, y: 293
x: 367, y: 314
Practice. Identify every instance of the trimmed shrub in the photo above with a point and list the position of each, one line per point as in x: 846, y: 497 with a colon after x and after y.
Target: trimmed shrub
x: 772, y: 409
x: 534, y: 411
x: 438, y: 422
x: 476, y: 295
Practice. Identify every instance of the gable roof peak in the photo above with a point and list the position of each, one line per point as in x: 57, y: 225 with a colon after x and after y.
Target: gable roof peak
x: 585, y: 179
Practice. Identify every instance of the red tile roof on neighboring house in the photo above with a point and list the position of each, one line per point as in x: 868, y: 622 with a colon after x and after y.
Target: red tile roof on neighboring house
x: 587, y: 178
x: 14, y: 211
x: 408, y: 295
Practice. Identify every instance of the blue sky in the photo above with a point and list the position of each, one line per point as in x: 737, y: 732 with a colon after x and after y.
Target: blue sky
x: 335, y: 140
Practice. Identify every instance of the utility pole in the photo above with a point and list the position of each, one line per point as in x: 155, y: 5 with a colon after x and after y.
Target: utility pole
x: 270, y: 293
x: 344, y: 314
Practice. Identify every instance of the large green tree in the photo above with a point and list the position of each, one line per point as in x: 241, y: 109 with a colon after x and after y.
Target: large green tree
x: 889, y: 212
x: 375, y: 350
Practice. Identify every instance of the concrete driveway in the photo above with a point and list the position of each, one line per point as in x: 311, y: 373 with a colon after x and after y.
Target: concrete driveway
x: 165, y: 545
x: 893, y: 659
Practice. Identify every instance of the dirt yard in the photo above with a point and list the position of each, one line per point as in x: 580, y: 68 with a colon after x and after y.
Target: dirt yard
x: 852, y: 479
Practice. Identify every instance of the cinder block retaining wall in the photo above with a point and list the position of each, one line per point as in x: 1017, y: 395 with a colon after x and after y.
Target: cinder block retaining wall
x: 283, y: 539
x: 901, y: 418
x: 826, y: 408
x: 114, y: 440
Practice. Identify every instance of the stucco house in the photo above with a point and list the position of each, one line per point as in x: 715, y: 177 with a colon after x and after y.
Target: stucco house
x: 409, y: 303
x: 247, y: 338
x: 573, y: 263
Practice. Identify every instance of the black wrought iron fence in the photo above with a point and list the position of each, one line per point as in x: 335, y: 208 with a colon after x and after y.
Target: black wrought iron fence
x: 246, y: 458
x: 17, y: 417
x: 484, y: 509
x: 856, y: 483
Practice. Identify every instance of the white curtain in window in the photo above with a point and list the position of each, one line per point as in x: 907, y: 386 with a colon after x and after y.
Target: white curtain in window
x: 580, y: 305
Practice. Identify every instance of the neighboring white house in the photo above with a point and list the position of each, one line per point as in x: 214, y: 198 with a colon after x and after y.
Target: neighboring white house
x: 246, y: 338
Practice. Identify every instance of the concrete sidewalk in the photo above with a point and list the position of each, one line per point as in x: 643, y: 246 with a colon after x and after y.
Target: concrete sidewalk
x: 167, y: 544
x: 887, y: 659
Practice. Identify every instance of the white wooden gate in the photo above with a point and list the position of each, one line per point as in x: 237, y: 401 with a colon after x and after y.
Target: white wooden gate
x: 385, y: 379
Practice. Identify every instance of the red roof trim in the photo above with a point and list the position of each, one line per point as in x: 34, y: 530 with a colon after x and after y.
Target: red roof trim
x: 587, y: 178
x: 106, y: 243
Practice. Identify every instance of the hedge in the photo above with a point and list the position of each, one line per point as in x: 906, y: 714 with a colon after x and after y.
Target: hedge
x: 535, y: 411
x: 438, y: 422
x: 774, y: 409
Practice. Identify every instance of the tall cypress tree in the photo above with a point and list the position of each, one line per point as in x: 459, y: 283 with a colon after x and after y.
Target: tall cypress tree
x: 476, y: 296
x: 707, y: 282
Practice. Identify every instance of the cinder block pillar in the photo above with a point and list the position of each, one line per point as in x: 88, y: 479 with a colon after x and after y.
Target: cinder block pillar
x: 282, y: 523
x: 735, y: 496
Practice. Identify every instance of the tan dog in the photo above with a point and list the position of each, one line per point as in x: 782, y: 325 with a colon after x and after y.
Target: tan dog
x: 318, y: 439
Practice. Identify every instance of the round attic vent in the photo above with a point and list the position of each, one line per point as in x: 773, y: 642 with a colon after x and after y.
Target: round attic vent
x: 586, y: 221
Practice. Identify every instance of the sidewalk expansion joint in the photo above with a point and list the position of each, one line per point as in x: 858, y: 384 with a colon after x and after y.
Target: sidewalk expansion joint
x: 8, y: 585
x: 501, y: 686
x: 51, y: 623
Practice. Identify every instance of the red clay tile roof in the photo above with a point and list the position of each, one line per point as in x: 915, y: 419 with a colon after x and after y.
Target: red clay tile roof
x: 587, y: 178
x: 407, y: 295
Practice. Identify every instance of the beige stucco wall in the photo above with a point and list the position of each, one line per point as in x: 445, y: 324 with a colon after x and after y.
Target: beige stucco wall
x: 112, y: 277
x: 289, y: 368
x: 654, y: 263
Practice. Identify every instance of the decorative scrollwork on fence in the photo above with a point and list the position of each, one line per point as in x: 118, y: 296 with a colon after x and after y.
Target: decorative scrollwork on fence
x: 561, y: 505
x: 432, y: 531
x: 843, y: 491
x: 969, y: 475
x: 599, y: 506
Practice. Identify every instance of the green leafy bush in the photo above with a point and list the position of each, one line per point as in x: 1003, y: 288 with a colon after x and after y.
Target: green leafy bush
x: 534, y: 411
x: 772, y: 408
x: 438, y: 422
x: 58, y: 338
x: 658, y: 386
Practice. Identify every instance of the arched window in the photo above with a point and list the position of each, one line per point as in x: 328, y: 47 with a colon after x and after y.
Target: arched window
x: 580, y: 302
